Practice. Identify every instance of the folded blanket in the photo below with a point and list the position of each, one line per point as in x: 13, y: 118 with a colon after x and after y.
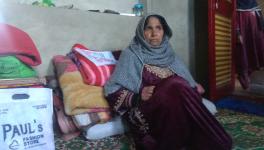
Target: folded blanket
x: 63, y: 121
x: 89, y: 119
x: 14, y: 41
x: 95, y: 66
x: 23, y: 82
x: 78, y: 97
x: 11, y: 67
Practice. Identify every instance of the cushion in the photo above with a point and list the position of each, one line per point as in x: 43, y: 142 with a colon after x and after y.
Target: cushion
x: 95, y: 66
x: 110, y: 128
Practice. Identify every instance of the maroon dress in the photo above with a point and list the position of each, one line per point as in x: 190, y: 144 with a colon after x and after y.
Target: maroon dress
x: 249, y: 52
x: 173, y: 118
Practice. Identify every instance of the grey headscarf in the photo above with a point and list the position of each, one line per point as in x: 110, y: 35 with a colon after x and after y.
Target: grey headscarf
x: 128, y: 71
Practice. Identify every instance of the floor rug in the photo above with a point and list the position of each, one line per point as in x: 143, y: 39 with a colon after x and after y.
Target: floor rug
x: 118, y: 142
x: 247, y: 132
x: 241, y: 105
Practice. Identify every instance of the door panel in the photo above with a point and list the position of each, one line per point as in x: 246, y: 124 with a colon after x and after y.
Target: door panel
x: 221, y: 15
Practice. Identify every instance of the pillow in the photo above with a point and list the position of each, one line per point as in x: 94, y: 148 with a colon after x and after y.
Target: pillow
x: 95, y: 66
x: 99, y: 131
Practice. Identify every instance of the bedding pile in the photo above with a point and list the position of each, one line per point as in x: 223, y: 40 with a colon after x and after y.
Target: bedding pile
x: 81, y: 75
x: 18, y: 56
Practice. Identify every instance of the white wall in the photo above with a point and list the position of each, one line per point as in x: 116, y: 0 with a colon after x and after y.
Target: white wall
x: 54, y: 31
x: 116, y: 31
x: 122, y: 6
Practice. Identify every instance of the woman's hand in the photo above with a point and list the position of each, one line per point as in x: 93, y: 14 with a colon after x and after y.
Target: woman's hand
x: 200, y: 89
x: 147, y: 92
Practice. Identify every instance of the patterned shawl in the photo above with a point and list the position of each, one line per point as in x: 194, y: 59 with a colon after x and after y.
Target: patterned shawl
x: 128, y: 71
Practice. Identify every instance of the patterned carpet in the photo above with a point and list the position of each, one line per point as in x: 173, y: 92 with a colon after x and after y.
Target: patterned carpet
x: 119, y: 142
x: 247, y: 132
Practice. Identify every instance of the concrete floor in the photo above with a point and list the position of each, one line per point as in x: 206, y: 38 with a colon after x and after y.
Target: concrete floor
x: 255, y: 90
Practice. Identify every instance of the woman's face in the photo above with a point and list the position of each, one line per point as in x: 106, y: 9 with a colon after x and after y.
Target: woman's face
x: 153, y: 31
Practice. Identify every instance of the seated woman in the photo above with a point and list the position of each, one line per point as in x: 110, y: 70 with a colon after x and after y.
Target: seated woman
x: 156, y: 95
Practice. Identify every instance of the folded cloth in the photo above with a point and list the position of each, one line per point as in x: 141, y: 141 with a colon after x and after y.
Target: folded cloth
x: 14, y: 41
x: 22, y: 82
x: 78, y: 97
x: 11, y: 67
x: 63, y: 121
x: 95, y: 66
x: 89, y: 119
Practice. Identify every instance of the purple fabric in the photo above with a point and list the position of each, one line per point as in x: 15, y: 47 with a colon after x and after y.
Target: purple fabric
x: 249, y: 53
x: 175, y: 113
x: 174, y: 118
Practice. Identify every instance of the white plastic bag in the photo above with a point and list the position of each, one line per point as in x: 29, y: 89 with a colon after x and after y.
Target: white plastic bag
x: 26, y: 119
